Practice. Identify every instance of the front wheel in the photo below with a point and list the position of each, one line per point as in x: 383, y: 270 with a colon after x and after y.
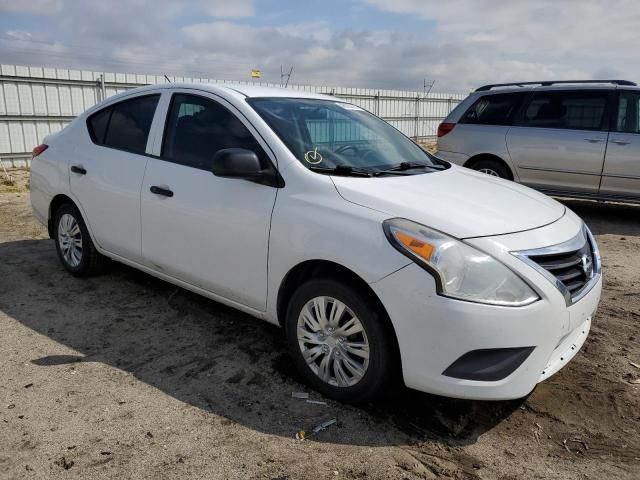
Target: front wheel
x: 75, y: 248
x: 339, y: 341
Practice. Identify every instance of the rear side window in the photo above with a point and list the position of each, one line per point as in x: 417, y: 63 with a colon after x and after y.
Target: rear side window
x: 198, y: 127
x: 628, y: 117
x: 496, y: 109
x: 125, y: 125
x: 97, y: 124
x: 578, y: 110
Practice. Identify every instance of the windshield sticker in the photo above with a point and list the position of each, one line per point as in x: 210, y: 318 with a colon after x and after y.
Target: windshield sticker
x: 313, y: 156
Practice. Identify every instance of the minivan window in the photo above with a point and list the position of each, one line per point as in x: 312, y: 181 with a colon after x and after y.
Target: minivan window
x: 579, y: 110
x: 496, y: 109
x: 198, y: 127
x: 628, y: 118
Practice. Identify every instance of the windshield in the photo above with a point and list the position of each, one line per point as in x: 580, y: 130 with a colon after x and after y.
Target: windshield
x: 324, y: 134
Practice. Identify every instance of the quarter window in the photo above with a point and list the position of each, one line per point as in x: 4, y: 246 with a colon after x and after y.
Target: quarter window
x: 496, y: 109
x: 97, y: 124
x: 628, y: 119
x: 579, y: 110
x: 197, y: 128
x: 124, y: 125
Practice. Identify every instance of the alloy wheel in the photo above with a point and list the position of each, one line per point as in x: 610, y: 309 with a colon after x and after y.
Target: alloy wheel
x: 333, y: 341
x: 489, y: 171
x: 70, y: 240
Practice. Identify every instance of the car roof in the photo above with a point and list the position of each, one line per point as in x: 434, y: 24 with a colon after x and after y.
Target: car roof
x: 232, y: 89
x: 236, y: 90
x: 559, y: 86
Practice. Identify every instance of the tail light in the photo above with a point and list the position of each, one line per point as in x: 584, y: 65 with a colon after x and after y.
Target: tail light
x: 38, y: 150
x: 445, y: 128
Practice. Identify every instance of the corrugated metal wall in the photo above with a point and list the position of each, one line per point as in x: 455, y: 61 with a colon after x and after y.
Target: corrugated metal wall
x: 36, y: 101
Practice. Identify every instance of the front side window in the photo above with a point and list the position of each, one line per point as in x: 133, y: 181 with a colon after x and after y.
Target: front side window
x: 628, y: 118
x: 578, y: 110
x: 328, y: 134
x: 498, y: 109
x: 197, y: 128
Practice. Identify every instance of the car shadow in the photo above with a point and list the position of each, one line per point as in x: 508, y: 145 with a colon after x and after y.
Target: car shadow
x: 208, y: 355
x: 607, y: 218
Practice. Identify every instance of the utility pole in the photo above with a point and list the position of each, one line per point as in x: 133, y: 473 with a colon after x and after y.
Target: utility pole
x: 283, y: 74
x: 425, y: 85
x: 426, y: 92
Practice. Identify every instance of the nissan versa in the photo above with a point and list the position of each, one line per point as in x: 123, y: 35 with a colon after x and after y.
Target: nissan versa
x: 380, y: 261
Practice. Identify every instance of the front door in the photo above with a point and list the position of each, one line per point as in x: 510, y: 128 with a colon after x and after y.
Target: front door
x: 621, y: 174
x: 559, y: 143
x: 208, y: 231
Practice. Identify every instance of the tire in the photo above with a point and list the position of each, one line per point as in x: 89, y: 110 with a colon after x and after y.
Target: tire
x: 493, y: 167
x: 70, y: 229
x: 342, y: 381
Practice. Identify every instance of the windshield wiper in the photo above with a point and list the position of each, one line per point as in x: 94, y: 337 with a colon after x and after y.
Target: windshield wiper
x: 402, y: 166
x: 345, y: 170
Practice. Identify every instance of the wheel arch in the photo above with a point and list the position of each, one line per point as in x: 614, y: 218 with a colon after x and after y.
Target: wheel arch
x: 324, y: 268
x: 56, y: 202
x: 472, y: 161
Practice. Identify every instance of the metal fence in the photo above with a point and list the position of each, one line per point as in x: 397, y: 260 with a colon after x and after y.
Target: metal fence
x: 36, y: 101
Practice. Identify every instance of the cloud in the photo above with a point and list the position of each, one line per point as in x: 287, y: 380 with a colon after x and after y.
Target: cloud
x: 459, y: 43
x: 38, y: 7
x: 560, y: 39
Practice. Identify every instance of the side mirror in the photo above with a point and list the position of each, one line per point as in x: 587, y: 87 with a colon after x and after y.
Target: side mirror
x: 236, y: 163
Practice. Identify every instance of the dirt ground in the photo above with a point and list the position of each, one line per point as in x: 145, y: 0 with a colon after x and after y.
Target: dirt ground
x: 126, y: 376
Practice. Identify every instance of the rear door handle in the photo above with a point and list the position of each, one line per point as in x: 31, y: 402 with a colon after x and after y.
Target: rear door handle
x: 621, y: 142
x: 165, y: 192
x: 78, y: 170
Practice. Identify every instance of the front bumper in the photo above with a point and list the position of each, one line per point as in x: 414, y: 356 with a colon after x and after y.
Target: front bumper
x: 434, y: 331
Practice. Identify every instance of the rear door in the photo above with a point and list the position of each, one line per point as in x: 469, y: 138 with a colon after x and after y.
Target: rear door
x: 558, y: 144
x: 621, y: 174
x: 482, y: 128
x: 107, y: 171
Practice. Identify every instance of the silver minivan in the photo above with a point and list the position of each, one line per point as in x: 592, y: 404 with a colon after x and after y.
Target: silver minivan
x: 566, y: 138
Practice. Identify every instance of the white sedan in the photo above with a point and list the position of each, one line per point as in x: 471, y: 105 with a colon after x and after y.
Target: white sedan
x: 381, y: 262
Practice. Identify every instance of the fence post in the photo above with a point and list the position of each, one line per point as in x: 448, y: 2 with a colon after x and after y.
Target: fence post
x: 378, y: 103
x: 417, y: 115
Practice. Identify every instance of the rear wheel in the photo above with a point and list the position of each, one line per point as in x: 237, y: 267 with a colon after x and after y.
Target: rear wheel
x: 495, y: 168
x: 75, y: 248
x: 338, y: 341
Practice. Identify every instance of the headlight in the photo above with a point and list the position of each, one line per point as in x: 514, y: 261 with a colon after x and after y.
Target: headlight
x: 460, y: 270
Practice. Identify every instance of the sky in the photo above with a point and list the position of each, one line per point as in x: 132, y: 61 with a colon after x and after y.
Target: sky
x: 400, y: 44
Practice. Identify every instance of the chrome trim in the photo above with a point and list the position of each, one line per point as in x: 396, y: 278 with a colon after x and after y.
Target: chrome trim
x: 576, y: 243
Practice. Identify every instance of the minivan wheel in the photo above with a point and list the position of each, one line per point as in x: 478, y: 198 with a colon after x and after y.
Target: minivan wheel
x: 75, y: 249
x: 493, y: 168
x: 337, y: 340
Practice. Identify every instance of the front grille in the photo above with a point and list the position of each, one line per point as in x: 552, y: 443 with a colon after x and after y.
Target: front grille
x: 573, y: 269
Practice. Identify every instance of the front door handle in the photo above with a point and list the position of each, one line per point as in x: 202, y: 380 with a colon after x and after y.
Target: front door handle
x: 78, y: 170
x: 621, y: 142
x: 593, y: 140
x: 165, y: 192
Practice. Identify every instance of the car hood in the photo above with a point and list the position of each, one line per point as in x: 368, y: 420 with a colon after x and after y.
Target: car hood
x: 457, y: 201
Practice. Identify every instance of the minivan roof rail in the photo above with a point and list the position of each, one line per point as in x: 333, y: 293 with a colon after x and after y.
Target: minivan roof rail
x: 547, y: 83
